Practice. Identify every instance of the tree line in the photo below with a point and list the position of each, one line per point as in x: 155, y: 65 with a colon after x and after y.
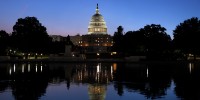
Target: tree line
x: 30, y: 36
x: 153, y: 41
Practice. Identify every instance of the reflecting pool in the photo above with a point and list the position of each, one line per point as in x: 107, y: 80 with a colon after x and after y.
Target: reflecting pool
x: 99, y: 81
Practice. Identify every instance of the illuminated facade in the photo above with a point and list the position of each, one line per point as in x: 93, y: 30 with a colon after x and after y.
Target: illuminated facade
x: 97, y: 24
x: 76, y: 39
x: 97, y: 39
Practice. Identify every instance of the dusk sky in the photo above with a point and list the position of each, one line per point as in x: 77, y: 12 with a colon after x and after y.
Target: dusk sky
x: 63, y: 17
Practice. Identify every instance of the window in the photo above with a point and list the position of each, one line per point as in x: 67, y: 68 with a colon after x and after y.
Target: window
x: 97, y: 29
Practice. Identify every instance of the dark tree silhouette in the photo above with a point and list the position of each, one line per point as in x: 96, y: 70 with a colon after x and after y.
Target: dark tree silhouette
x: 134, y: 43
x: 118, y: 40
x: 4, y: 42
x: 3, y: 34
x: 152, y: 40
x: 29, y: 35
x: 187, y: 37
x: 158, y: 42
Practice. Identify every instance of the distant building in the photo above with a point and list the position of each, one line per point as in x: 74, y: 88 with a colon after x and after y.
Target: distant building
x: 76, y: 39
x: 97, y: 39
x: 57, y: 38
x: 97, y: 25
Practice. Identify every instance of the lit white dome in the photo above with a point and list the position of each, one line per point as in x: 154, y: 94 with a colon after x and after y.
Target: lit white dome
x: 97, y: 24
x: 97, y: 18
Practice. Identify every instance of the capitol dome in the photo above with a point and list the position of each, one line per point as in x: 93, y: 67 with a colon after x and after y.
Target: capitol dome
x: 97, y: 24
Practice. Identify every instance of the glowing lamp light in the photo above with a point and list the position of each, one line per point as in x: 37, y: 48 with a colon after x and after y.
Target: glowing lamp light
x: 113, y: 53
x: 98, y: 54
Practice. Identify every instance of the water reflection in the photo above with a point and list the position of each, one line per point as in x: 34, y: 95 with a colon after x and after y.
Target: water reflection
x: 24, y: 85
x: 29, y: 68
x: 14, y: 68
x: 97, y: 91
x: 23, y: 68
x: 29, y: 81
x: 187, y: 81
x: 147, y: 72
x: 191, y: 67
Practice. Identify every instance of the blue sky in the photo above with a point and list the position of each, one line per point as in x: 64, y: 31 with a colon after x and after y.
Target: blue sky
x: 63, y: 17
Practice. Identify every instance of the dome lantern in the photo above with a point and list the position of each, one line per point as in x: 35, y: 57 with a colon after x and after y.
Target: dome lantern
x: 97, y: 9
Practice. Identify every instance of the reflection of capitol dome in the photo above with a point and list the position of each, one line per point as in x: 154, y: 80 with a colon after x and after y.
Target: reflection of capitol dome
x: 97, y: 92
x: 97, y: 24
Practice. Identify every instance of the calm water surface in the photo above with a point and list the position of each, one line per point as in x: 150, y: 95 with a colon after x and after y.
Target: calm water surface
x: 99, y: 81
